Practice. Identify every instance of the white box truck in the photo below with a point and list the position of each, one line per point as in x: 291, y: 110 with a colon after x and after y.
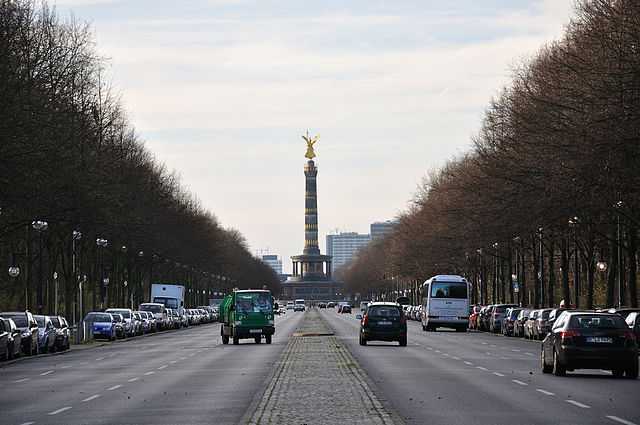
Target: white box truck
x: 172, y: 296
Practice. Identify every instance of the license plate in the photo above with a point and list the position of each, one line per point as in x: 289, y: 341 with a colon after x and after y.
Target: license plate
x: 255, y: 331
x: 384, y: 323
x: 600, y: 339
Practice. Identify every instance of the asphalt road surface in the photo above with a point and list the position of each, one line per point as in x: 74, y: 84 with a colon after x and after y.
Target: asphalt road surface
x: 177, y: 377
x: 477, y: 378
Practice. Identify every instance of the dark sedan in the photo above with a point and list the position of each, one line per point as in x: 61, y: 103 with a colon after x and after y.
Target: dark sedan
x: 383, y: 322
x: 63, y: 333
x: 15, y: 337
x: 587, y: 340
x: 28, y: 327
x: 46, y: 334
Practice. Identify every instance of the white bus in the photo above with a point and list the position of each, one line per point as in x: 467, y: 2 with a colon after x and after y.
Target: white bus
x: 445, y: 303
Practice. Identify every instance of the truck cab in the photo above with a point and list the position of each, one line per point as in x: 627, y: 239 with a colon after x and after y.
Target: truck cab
x: 247, y: 314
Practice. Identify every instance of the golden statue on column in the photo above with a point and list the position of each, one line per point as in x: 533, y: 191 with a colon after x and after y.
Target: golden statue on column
x: 310, y: 142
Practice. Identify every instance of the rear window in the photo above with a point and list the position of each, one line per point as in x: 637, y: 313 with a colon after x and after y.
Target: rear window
x: 40, y: 321
x: 151, y: 308
x: 499, y: 310
x: 56, y: 322
x: 125, y: 313
x: 384, y: 311
x: 19, y: 320
x: 597, y: 322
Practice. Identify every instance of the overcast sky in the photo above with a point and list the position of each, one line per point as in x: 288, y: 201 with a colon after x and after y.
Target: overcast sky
x: 222, y: 90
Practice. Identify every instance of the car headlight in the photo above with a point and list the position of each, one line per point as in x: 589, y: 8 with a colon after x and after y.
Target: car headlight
x: 271, y: 322
x: 26, y: 334
x: 237, y: 323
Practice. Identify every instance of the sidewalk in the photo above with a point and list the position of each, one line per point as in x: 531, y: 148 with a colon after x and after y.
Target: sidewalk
x: 317, y: 381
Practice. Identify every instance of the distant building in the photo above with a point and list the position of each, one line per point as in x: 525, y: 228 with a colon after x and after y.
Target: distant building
x: 344, y: 247
x: 380, y: 229
x: 274, y: 262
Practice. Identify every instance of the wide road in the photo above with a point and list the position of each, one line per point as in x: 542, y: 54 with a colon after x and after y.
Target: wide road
x: 478, y: 378
x: 176, y: 377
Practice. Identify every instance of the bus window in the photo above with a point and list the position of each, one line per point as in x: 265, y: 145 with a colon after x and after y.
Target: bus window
x: 448, y: 290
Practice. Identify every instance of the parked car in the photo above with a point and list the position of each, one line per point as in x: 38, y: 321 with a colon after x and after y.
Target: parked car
x: 553, y: 315
x: 530, y: 323
x: 483, y: 318
x: 509, y: 321
x: 497, y: 313
x: 624, y: 312
x: 519, y: 324
x: 383, y: 321
x: 633, y: 320
x: 103, y: 325
x: 46, y: 334
x: 151, y: 320
x: 322, y: 305
x: 119, y: 325
x: 28, y: 327
x: 159, y: 311
x: 10, y: 339
x: 63, y: 333
x: 331, y: 304
x: 473, y: 317
x: 541, y: 326
x: 290, y: 305
x: 589, y: 340
x: 345, y: 308
x: 129, y: 320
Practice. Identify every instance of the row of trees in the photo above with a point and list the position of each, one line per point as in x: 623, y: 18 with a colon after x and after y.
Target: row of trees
x: 549, y: 195
x: 82, y: 201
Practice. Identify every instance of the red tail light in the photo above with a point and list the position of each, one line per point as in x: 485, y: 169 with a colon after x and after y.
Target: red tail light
x: 365, y: 320
x: 568, y: 335
x: 629, y: 335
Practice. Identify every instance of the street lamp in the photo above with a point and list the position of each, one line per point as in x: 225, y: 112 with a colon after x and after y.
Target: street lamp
x: 101, y: 244
x: 39, y: 226
x: 76, y: 235
x: 573, y: 223
x: 14, y: 271
x: 602, y: 266
x: 618, y: 206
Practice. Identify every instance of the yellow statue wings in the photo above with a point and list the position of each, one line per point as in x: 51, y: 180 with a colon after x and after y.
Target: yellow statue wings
x: 310, y: 142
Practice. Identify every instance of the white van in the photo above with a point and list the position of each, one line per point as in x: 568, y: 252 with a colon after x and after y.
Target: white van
x: 299, y: 305
x: 159, y: 311
x: 445, y: 303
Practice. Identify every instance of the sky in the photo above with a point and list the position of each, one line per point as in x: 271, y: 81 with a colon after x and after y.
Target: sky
x: 221, y: 91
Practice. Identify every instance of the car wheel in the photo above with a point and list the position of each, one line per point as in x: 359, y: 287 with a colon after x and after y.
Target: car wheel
x: 403, y: 341
x: 543, y: 362
x: 236, y: 340
x: 424, y: 328
x: 362, y: 340
x: 258, y: 339
x: 6, y: 353
x: 618, y: 373
x: 461, y: 329
x: 558, y: 369
x: 267, y: 339
x: 632, y: 370
x: 225, y: 339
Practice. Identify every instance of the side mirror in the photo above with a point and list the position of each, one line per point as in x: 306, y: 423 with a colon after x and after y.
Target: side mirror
x: 359, y: 316
x: 16, y: 331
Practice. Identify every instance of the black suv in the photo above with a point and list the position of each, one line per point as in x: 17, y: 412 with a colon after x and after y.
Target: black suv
x: 383, y: 321
x: 28, y: 327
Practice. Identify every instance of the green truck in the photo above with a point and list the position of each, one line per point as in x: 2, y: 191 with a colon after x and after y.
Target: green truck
x: 247, y: 314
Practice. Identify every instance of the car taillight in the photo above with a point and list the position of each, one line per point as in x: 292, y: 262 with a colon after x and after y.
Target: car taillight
x: 629, y: 335
x: 365, y: 320
x: 567, y: 335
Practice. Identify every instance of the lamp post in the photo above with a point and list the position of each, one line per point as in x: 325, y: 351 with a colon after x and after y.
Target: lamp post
x: 39, y: 226
x: 541, y: 255
x: 518, y: 300
x: 495, y: 277
x: 101, y: 245
x: 618, y: 207
x: 76, y: 236
x: 483, y: 300
x: 573, y: 222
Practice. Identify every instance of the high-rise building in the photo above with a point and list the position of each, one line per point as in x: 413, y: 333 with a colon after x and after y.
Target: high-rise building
x: 274, y: 262
x: 344, y: 246
x: 381, y: 228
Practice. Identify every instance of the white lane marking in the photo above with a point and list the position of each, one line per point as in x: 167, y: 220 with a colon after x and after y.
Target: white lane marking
x: 115, y: 387
x: 429, y: 348
x: 519, y: 382
x: 28, y: 423
x: 93, y: 397
x: 20, y: 380
x: 482, y: 368
x: 468, y: 363
x: 577, y: 403
x: 492, y: 345
x: 529, y: 354
x: 99, y: 359
x: 173, y: 361
x: 149, y: 373
x: 65, y: 367
x: 55, y: 412
x: 446, y: 355
x: 488, y: 353
x: 545, y: 392
x: 163, y: 367
x: 498, y: 374
x: 455, y: 358
x: 515, y: 350
x: 183, y: 358
x: 437, y: 351
x: 46, y: 373
x: 133, y: 379
x: 484, y: 343
x: 620, y: 420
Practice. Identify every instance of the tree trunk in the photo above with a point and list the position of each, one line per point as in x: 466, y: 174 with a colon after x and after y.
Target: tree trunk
x: 552, y: 274
x: 564, y: 264
x: 536, y: 278
x: 632, y: 249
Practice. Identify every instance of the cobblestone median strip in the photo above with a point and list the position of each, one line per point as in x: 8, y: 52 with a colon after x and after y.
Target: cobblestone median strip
x: 317, y: 381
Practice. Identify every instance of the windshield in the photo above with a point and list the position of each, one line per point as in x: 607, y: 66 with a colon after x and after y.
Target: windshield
x: 125, y: 313
x: 597, y: 322
x: 384, y: 311
x: 56, y: 322
x: 168, y: 302
x: 253, y: 302
x: 40, y: 320
x: 152, y: 308
x: 19, y: 320
x: 98, y: 317
x: 448, y: 290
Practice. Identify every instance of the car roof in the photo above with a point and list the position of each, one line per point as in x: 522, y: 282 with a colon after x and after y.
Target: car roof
x: 375, y: 303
